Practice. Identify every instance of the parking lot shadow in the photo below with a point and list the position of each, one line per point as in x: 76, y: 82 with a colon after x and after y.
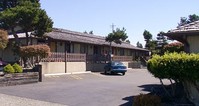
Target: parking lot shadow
x: 148, y: 88
x: 115, y: 74
x: 129, y: 101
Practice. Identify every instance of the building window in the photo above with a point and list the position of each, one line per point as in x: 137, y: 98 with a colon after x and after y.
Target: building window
x: 60, y: 43
x: 68, y: 48
x: 83, y: 48
x: 122, y: 52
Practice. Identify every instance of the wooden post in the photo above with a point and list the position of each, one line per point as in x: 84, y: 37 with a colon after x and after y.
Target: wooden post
x: 39, y: 69
x: 65, y: 62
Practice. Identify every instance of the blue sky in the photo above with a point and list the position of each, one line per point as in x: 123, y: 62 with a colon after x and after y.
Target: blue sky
x: 134, y: 15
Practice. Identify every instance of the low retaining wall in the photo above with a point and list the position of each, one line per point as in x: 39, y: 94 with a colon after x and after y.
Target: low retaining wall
x: 134, y: 64
x: 19, y: 78
x: 61, y: 67
x: 70, y: 67
x: 53, y: 67
x: 76, y: 67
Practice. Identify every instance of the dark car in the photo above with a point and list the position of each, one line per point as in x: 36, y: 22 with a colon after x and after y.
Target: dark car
x: 115, y: 67
x: 2, y: 64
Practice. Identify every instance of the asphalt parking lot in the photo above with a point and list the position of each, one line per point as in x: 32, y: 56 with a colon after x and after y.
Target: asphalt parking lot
x: 90, y: 89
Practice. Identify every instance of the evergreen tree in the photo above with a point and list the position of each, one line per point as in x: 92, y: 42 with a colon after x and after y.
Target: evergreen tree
x: 128, y: 41
x: 26, y: 15
x: 161, y: 42
x: 139, y: 44
x: 191, y: 18
x: 91, y: 32
x: 148, y: 37
x: 116, y: 36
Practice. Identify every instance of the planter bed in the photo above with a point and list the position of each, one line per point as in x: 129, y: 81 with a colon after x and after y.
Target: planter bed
x: 19, y: 78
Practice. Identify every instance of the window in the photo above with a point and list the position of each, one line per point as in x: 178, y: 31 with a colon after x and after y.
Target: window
x: 83, y: 48
x: 122, y: 52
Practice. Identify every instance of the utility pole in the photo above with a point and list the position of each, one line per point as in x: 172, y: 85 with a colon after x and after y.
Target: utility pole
x: 110, y: 48
x: 113, y: 26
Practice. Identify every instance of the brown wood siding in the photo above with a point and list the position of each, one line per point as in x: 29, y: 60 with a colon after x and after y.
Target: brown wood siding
x: 52, y: 47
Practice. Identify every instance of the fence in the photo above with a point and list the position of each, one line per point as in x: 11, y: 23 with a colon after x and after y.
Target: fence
x: 102, y: 58
x: 62, y: 57
x: 75, y: 57
x: 122, y: 58
x: 96, y: 58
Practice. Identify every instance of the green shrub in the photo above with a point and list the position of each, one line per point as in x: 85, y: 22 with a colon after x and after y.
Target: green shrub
x: 17, y: 68
x: 177, y: 66
x: 8, y: 69
x: 147, y: 100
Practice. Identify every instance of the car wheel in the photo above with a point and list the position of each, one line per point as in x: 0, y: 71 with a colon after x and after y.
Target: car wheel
x: 123, y: 73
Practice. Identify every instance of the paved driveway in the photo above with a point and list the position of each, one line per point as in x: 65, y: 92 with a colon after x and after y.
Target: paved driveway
x: 91, y: 89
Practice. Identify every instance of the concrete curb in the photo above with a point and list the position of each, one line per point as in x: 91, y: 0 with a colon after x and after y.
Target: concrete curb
x: 67, y: 73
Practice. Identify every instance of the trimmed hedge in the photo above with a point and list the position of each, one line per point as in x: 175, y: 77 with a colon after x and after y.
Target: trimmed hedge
x: 17, y: 68
x: 146, y: 100
x: 177, y: 66
x: 8, y: 69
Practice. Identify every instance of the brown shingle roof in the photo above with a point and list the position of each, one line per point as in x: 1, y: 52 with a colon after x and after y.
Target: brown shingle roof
x: 67, y: 35
x: 191, y: 27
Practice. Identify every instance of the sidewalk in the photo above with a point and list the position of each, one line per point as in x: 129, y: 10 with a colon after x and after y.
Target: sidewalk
x: 7, y: 100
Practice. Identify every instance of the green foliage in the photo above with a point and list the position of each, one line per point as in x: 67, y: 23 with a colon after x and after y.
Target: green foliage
x: 5, y: 4
x: 147, y: 35
x: 117, y: 36
x: 17, y: 68
x: 44, y: 23
x: 3, y: 39
x: 177, y: 66
x: 146, y: 100
x: 139, y: 44
x: 161, y: 42
x: 128, y: 41
x: 27, y: 15
x: 151, y: 45
x: 8, y: 69
x: 91, y: 32
x: 174, y: 47
x: 34, y: 51
x: 191, y: 18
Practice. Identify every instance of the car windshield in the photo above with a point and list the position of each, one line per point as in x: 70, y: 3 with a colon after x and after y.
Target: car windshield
x: 117, y: 63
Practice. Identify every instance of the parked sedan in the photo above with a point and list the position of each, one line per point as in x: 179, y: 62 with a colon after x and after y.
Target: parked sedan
x: 115, y: 67
x: 2, y: 64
